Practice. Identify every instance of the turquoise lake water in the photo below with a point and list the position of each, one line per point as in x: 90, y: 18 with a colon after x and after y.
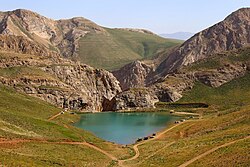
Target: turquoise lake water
x: 124, y: 128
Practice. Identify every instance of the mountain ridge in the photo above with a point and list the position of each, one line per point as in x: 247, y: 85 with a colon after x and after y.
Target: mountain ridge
x: 220, y: 37
x: 73, y: 38
x: 169, y: 80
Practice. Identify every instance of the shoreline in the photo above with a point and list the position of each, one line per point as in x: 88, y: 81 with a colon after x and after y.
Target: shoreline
x: 181, y: 116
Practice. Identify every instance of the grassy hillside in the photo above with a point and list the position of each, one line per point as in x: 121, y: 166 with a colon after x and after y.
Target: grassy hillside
x: 193, y: 138
x: 119, y: 47
x: 219, y: 138
x: 233, y: 94
x: 26, y: 118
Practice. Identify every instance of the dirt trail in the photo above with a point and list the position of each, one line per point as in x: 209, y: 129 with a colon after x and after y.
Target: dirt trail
x: 54, y: 116
x: 135, y: 147
x: 212, y: 150
x: 186, y: 113
x: 17, y: 141
x: 89, y: 145
x: 151, y: 155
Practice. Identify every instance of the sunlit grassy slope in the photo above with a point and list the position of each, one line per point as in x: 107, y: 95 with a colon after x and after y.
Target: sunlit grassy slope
x: 118, y: 47
x: 26, y: 117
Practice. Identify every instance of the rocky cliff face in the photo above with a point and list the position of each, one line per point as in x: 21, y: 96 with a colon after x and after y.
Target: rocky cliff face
x: 61, y: 36
x: 133, y: 75
x: 172, y: 87
x: 30, y: 68
x: 232, y: 33
x: 145, y: 97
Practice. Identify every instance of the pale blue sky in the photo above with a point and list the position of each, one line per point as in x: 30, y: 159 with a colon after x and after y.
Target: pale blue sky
x: 159, y: 16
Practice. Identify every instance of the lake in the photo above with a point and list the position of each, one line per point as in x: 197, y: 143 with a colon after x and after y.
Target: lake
x: 124, y: 128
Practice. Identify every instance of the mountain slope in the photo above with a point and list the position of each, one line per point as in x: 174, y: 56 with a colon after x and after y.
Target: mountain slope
x: 81, y: 39
x: 230, y: 34
x: 119, y: 47
x: 189, y: 63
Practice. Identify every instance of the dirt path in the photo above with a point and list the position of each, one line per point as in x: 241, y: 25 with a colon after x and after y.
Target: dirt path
x: 54, y: 116
x: 17, y: 141
x: 135, y: 147
x: 89, y: 145
x: 186, y: 113
x: 151, y: 155
x: 212, y: 150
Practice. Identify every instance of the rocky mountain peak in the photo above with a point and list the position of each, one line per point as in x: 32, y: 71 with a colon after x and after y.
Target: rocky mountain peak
x: 61, y: 36
x: 24, y: 13
x: 229, y: 34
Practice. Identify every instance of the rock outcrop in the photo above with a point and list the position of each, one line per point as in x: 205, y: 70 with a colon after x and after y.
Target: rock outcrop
x: 135, y: 98
x: 30, y: 68
x: 133, y: 75
x: 222, y: 75
x: 145, y: 97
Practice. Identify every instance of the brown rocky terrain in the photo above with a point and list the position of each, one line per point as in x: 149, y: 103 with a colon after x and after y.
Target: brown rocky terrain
x: 172, y: 77
x: 30, y: 61
x: 30, y: 68
x: 230, y: 34
x: 61, y: 36
x: 133, y: 75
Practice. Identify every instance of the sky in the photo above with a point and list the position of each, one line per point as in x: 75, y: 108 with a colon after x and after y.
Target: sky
x: 159, y: 16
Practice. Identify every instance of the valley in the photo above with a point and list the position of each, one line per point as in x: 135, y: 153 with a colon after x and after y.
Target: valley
x: 54, y: 74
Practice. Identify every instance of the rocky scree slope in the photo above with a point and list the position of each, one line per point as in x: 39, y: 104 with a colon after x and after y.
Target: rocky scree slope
x: 30, y: 68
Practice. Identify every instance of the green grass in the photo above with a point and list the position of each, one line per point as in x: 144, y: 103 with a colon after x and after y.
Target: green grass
x: 197, y: 136
x: 44, y: 154
x: 226, y: 119
x: 217, y: 61
x: 233, y: 94
x: 119, y: 47
x: 26, y: 117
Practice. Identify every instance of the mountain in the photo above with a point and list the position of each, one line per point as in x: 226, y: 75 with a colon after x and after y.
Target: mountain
x: 232, y: 33
x: 168, y: 80
x: 41, y: 90
x: 178, y: 35
x: 118, y: 47
x: 81, y: 39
